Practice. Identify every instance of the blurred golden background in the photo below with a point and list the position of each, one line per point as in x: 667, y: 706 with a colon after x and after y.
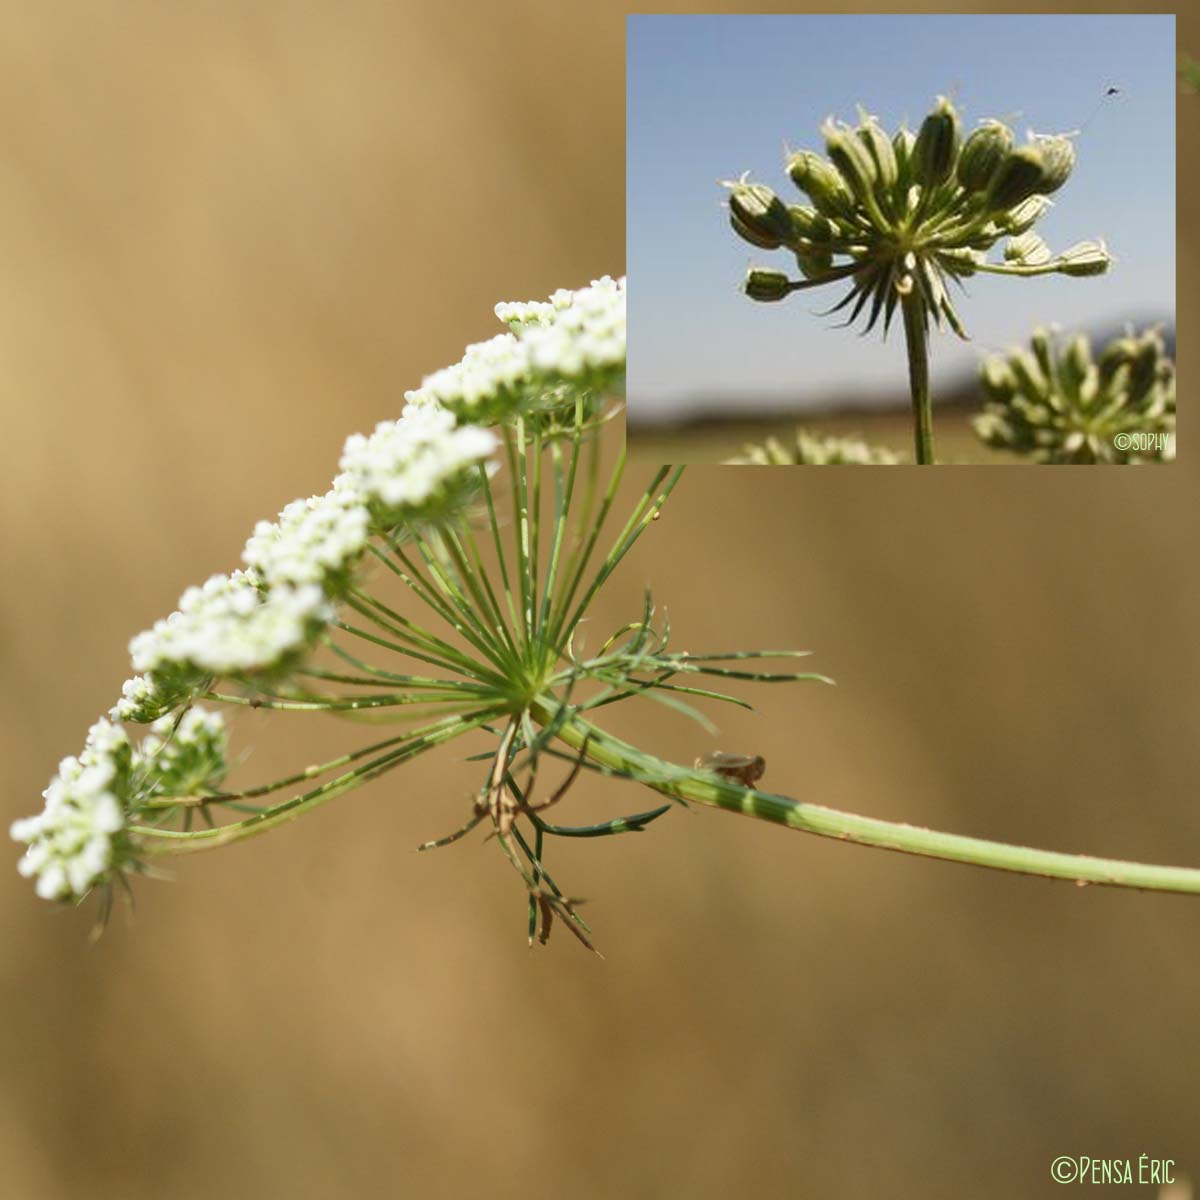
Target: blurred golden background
x: 233, y: 234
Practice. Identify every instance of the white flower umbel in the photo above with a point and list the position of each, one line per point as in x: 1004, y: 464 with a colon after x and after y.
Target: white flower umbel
x: 230, y: 627
x: 314, y: 541
x: 177, y: 759
x: 574, y: 343
x: 420, y: 468
x: 71, y: 842
x: 584, y: 338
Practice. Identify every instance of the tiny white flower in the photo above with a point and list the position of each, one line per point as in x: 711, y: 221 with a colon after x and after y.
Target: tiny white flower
x: 179, y: 758
x: 575, y: 338
x: 420, y: 467
x: 313, y: 541
x: 231, y: 626
x: 141, y: 701
x: 70, y: 843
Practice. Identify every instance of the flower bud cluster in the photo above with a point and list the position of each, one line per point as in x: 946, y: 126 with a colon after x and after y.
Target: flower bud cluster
x: 901, y: 215
x: 1054, y: 404
x: 182, y: 757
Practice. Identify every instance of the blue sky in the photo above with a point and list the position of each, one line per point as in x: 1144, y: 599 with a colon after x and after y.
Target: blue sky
x: 712, y: 96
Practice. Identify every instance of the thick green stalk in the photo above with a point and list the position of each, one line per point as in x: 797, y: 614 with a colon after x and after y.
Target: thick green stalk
x: 916, y: 335
x: 703, y: 787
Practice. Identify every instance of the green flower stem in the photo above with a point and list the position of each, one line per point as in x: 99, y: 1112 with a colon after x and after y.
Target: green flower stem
x: 916, y: 335
x: 476, y: 577
x: 466, y: 624
x: 419, y: 643
x: 474, y: 672
x: 830, y: 276
x: 646, y: 511
x: 451, y: 695
x: 706, y: 788
x: 564, y: 489
x: 581, y: 552
x: 535, y: 522
x: 437, y: 562
x: 515, y: 452
x: 151, y: 841
x: 390, y: 676
x: 376, y: 676
x: 494, y: 526
x: 311, y: 772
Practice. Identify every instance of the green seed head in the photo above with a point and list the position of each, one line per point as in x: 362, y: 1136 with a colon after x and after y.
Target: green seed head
x: 881, y: 152
x: 1028, y: 249
x: 1084, y: 258
x: 1024, y: 216
x: 814, y: 261
x: 1058, y: 161
x: 998, y: 380
x: 810, y: 224
x: 901, y: 216
x: 1141, y: 362
x: 820, y: 181
x: 982, y: 154
x: 750, y: 235
x: 766, y: 285
x: 754, y: 208
x: 1076, y: 362
x: 852, y: 159
x: 1119, y: 352
x: 936, y: 148
x: 1054, y: 405
x: 1018, y: 177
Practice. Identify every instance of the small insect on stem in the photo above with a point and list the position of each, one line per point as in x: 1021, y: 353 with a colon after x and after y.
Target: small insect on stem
x: 741, y: 768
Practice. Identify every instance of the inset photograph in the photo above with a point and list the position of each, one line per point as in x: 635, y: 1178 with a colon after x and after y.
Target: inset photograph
x: 880, y: 240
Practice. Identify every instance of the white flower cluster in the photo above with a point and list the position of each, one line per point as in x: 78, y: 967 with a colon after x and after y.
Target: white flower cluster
x: 177, y: 760
x: 71, y: 840
x: 230, y: 626
x: 420, y: 467
x: 585, y: 336
x: 313, y: 541
x: 515, y: 313
x: 141, y: 701
x: 575, y: 338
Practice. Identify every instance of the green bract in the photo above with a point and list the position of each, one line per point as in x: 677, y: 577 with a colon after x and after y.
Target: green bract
x: 1054, y: 404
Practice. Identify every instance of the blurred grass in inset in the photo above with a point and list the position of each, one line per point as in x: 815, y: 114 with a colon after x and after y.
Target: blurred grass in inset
x: 717, y: 440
